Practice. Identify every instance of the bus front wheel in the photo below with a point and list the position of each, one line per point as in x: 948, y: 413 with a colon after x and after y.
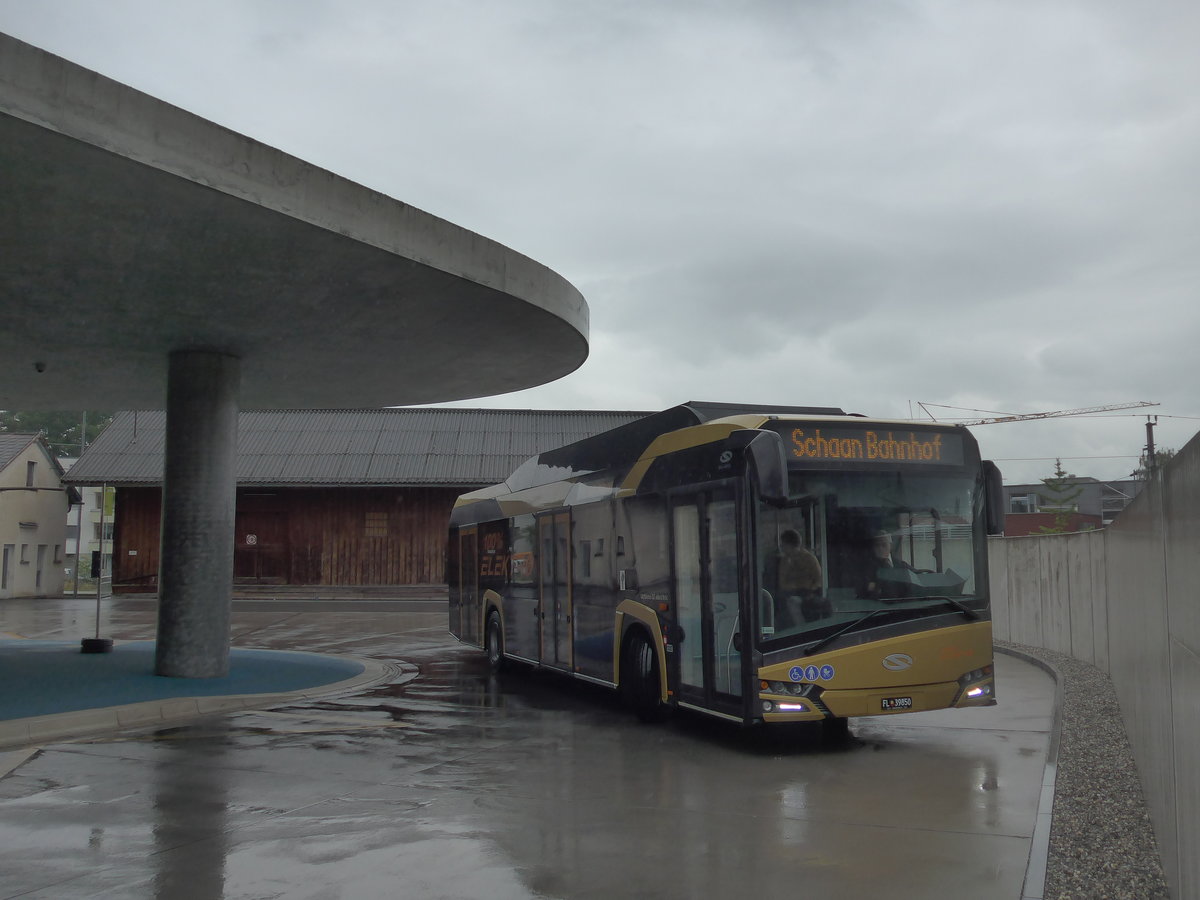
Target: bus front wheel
x: 640, y: 678
x: 493, y: 643
x: 835, y: 731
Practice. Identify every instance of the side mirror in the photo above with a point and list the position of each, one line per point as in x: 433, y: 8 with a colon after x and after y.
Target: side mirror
x: 993, y: 486
x: 766, y: 450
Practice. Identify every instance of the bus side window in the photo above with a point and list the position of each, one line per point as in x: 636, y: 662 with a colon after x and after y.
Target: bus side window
x: 522, y: 535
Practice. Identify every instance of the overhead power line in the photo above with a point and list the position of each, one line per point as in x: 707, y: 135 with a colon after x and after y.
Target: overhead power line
x: 1047, y: 458
x: 1024, y: 417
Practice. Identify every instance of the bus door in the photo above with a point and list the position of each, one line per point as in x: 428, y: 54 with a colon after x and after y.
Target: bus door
x: 468, y: 585
x: 706, y: 579
x: 554, y: 589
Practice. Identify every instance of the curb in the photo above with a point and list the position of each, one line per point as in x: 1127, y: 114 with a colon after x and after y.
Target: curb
x: 1034, y: 887
x: 20, y: 738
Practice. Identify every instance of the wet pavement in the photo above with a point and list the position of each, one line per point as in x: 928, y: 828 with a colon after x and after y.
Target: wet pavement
x: 444, y: 783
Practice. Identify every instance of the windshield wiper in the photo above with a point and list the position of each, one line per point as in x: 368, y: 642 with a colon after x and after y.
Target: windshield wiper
x: 850, y: 626
x: 957, y: 604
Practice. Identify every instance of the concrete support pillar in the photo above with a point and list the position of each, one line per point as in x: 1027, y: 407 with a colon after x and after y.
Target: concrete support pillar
x: 195, y: 574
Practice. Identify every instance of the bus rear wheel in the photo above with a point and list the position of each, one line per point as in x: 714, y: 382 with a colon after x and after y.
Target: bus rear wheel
x: 640, y: 678
x: 493, y: 643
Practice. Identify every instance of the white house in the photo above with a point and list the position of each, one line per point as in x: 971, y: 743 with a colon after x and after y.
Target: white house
x: 33, y: 515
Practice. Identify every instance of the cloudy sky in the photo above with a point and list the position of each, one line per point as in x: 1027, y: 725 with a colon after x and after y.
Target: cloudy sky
x: 991, y: 205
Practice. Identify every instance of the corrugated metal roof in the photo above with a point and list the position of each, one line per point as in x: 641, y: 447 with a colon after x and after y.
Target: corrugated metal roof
x: 453, y: 447
x: 13, y: 445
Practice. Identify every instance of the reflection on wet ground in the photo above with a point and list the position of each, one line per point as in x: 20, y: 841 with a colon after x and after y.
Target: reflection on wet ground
x: 449, y: 783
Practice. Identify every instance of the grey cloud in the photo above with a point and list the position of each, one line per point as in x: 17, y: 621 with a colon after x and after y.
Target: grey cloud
x: 851, y: 204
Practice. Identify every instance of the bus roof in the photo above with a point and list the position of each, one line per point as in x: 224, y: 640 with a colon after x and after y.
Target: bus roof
x: 623, y: 454
x: 621, y: 447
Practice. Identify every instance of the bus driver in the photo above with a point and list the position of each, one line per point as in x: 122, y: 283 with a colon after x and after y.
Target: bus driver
x: 799, y: 579
x: 880, y: 568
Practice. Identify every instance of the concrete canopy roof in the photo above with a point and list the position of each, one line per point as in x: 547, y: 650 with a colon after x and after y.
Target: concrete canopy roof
x: 131, y: 228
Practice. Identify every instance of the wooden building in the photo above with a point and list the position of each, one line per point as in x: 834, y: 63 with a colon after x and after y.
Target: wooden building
x: 330, y: 497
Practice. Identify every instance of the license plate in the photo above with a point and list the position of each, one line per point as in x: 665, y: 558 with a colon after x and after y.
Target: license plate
x: 897, y: 702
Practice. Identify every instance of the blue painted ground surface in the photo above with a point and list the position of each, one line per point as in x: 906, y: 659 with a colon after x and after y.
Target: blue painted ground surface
x: 39, y: 678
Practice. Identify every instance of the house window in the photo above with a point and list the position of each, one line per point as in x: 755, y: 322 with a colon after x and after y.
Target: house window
x: 1019, y: 503
x: 376, y: 525
x: 25, y: 553
x: 58, y: 553
x: 30, y: 473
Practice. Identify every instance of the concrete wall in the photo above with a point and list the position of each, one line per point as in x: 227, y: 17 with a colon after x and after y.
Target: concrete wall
x: 1127, y: 599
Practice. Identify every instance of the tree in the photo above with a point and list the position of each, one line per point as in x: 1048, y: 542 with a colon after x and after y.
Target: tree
x: 1161, y: 458
x: 63, y: 430
x: 1061, y: 497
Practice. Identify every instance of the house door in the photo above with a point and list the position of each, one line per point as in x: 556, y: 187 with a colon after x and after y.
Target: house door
x: 261, y: 554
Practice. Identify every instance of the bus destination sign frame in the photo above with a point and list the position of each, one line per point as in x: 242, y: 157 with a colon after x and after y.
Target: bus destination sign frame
x: 813, y: 442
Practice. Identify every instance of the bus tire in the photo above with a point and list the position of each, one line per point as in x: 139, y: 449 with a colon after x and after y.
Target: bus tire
x: 835, y: 731
x: 493, y: 643
x: 640, y: 678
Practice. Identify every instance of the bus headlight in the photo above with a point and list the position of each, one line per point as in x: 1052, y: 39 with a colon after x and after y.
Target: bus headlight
x: 970, y: 688
x: 791, y: 688
x: 770, y: 706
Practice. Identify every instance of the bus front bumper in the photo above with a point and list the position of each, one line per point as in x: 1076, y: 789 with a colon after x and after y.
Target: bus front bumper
x: 778, y: 707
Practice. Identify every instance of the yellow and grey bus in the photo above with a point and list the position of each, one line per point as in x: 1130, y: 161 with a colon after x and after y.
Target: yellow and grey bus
x: 758, y: 564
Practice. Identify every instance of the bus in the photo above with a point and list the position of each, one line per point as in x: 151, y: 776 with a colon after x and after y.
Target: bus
x: 758, y: 564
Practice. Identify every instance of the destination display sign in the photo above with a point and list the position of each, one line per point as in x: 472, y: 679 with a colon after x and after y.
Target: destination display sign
x: 870, y: 444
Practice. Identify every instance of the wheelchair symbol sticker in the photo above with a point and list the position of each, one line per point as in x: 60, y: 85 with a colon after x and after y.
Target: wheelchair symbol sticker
x: 812, y: 673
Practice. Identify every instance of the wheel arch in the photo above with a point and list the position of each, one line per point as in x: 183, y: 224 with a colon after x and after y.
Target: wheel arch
x: 631, y: 616
x: 490, y: 600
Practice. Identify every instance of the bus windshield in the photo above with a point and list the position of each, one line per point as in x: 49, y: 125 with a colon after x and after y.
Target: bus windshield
x: 853, y: 545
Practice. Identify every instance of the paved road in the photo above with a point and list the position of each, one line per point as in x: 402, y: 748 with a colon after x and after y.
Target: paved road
x: 445, y: 783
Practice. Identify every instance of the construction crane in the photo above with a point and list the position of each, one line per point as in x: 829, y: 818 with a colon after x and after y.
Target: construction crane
x: 1023, y: 417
